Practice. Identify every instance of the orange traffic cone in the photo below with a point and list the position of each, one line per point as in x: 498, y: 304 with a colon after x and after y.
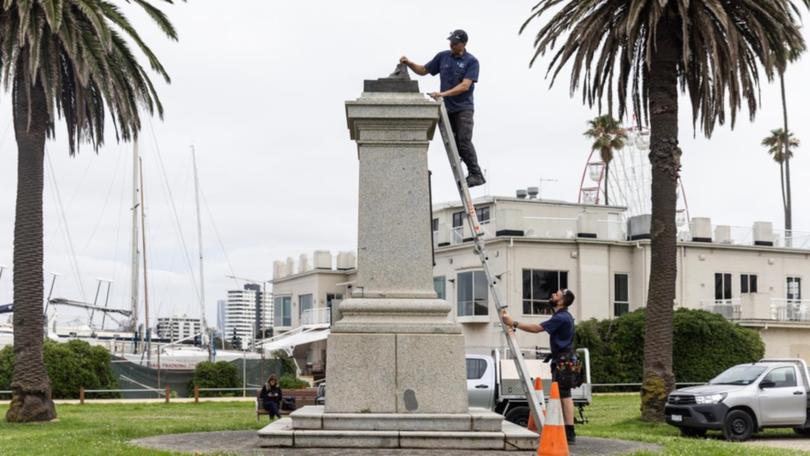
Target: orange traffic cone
x: 538, y: 386
x: 552, y: 439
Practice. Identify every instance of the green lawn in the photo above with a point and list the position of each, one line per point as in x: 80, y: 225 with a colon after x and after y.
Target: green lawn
x: 105, y: 429
x: 616, y: 416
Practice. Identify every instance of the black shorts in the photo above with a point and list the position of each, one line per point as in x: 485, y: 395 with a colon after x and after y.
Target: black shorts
x: 565, y: 393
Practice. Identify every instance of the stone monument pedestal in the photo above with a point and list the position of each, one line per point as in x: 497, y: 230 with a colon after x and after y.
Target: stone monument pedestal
x: 395, y: 370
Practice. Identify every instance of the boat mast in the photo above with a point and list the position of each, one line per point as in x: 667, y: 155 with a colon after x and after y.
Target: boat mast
x: 133, y: 291
x: 205, y: 332
x: 145, y: 282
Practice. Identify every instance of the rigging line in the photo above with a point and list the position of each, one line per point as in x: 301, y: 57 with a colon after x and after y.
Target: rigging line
x: 104, y: 205
x: 177, y: 225
x: 61, y: 211
x: 216, y: 232
x: 116, y: 250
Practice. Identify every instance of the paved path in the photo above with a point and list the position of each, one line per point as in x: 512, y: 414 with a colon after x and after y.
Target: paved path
x: 247, y: 443
x: 787, y: 442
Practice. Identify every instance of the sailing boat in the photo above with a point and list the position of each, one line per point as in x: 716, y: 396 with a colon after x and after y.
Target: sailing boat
x: 174, y: 355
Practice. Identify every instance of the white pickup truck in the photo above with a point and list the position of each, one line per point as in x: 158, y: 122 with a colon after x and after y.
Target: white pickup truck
x: 745, y: 399
x: 493, y: 383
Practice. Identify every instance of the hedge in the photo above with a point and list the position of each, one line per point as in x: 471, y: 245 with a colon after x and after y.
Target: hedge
x: 704, y: 345
x: 71, y: 366
x: 220, y: 374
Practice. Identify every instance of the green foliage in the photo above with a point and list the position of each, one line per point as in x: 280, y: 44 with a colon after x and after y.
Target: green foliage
x: 289, y: 381
x: 704, y: 344
x: 287, y: 362
x: 70, y: 366
x: 220, y: 374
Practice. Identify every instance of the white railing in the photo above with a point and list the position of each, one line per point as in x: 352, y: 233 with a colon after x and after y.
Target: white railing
x: 790, y: 309
x: 551, y: 227
x: 459, y: 233
x: 729, y: 308
x: 317, y: 316
x: 792, y: 239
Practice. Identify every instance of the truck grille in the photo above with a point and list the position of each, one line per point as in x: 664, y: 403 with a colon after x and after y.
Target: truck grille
x: 681, y: 399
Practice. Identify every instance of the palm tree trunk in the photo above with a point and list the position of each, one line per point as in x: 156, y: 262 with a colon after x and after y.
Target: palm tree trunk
x: 658, y: 379
x: 607, y: 175
x: 782, y: 182
x: 30, y: 385
x: 786, y: 150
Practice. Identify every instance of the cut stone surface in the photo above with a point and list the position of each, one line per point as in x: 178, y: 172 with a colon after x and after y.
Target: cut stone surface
x: 361, y: 373
x: 419, y: 358
x: 315, y: 417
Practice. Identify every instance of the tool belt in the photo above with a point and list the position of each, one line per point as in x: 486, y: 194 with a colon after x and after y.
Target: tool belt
x: 570, y: 372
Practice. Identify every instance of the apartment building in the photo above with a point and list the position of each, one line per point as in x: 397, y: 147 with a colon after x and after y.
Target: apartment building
x: 751, y: 275
x: 248, y: 313
x: 178, y: 327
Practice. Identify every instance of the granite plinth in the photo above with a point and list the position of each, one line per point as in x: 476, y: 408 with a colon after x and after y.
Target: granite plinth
x: 396, y: 373
x: 390, y: 85
x: 281, y: 433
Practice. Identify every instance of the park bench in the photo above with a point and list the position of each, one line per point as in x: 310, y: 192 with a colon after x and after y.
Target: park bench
x: 293, y: 399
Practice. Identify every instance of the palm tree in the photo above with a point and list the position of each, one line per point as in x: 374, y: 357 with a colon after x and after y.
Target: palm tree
x: 779, y: 146
x: 608, y: 135
x: 70, y: 59
x: 714, y: 50
x: 787, y: 195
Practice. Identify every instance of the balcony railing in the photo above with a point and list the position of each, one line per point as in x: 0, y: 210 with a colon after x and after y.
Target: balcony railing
x: 729, y: 308
x: 790, y: 309
x: 318, y: 316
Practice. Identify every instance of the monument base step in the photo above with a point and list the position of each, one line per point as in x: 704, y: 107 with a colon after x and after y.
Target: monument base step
x: 314, y: 417
x: 280, y: 433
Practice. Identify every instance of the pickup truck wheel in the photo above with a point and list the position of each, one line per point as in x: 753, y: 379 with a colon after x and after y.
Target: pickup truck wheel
x: 519, y: 416
x: 805, y: 432
x: 693, y: 432
x: 738, y: 426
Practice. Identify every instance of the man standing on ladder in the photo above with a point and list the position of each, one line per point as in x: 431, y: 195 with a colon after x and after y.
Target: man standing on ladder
x: 458, y: 70
x: 560, y: 329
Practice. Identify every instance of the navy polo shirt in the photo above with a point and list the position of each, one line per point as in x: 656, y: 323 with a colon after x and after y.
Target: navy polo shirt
x: 560, y: 329
x: 453, y: 69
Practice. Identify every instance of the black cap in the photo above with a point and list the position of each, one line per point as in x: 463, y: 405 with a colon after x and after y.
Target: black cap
x: 458, y: 36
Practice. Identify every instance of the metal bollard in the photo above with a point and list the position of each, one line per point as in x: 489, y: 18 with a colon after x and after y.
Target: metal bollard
x: 168, y: 393
x: 81, y: 395
x: 196, y: 394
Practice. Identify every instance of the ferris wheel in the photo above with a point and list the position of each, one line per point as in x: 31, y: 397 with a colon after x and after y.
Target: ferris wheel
x: 629, y: 179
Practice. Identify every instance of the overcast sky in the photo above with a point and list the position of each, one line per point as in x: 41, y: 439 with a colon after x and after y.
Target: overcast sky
x: 258, y: 88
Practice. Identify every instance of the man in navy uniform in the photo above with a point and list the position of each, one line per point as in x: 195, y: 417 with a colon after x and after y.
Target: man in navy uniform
x: 560, y: 329
x: 458, y: 70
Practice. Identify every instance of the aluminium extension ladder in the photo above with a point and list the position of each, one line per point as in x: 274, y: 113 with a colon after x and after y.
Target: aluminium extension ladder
x: 536, y: 401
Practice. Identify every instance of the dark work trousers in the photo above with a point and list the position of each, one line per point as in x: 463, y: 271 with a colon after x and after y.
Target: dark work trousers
x: 272, y: 409
x: 461, y: 123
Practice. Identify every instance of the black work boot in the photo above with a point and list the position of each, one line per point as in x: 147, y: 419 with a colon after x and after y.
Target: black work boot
x: 474, y: 180
x: 570, y: 434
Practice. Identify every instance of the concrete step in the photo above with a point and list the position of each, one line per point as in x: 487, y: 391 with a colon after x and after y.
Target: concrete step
x: 281, y: 434
x: 477, y: 419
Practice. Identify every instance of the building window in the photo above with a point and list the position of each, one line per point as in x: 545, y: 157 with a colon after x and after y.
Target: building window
x: 482, y: 213
x: 304, y: 303
x: 794, y: 288
x: 621, y: 294
x: 538, y: 286
x: 722, y: 286
x: 472, y: 293
x: 439, y: 286
x: 748, y: 283
x: 283, y: 311
x: 458, y: 219
x: 435, y: 224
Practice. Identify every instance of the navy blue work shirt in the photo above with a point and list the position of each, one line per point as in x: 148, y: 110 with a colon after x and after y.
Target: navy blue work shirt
x: 560, y: 329
x: 455, y: 69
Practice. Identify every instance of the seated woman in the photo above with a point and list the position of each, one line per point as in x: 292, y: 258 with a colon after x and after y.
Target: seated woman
x: 270, y: 397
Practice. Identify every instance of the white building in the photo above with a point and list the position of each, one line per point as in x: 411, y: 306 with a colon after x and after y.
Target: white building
x: 248, y: 313
x: 751, y: 275
x: 222, y: 306
x: 178, y: 327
